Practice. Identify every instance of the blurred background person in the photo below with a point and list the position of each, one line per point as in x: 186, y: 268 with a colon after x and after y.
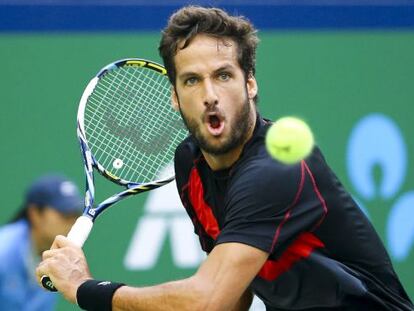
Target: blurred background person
x: 51, y: 205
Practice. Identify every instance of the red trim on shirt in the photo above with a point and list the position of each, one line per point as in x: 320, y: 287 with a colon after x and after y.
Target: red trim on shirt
x: 295, y: 200
x: 202, y: 209
x: 300, y: 249
x: 319, y: 195
x: 303, y: 245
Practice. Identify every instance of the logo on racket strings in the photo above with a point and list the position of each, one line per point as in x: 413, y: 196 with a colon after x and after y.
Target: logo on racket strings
x: 150, y: 142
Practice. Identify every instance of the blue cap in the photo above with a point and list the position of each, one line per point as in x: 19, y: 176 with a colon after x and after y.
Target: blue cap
x: 55, y: 191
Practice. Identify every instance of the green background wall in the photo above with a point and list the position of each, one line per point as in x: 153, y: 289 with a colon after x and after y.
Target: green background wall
x: 332, y: 79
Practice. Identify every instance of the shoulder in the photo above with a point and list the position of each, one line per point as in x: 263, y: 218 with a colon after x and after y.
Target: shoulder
x: 186, y: 154
x: 257, y: 173
x: 186, y: 150
x: 14, y: 246
x: 11, y: 238
x: 260, y: 177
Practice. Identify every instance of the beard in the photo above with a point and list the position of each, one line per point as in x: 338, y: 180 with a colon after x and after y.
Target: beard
x: 239, y: 130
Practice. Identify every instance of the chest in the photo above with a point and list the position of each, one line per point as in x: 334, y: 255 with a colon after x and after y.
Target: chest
x: 215, y: 196
x: 204, y: 197
x: 208, y: 191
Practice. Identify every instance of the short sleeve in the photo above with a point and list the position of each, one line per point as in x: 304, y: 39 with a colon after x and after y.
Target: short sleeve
x: 269, y: 205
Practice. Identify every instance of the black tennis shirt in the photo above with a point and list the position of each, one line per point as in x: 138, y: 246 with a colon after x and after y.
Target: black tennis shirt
x: 324, y: 254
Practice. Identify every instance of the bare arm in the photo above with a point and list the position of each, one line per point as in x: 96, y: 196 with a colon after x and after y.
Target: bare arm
x: 219, y: 283
x: 178, y: 295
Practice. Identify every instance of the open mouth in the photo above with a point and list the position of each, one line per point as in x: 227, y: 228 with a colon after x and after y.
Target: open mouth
x: 215, y: 124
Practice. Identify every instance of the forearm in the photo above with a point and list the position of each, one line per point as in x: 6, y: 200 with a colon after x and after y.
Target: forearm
x: 179, y: 295
x: 219, y: 284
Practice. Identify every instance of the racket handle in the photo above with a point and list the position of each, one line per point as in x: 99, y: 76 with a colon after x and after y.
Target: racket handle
x: 80, y: 230
x: 78, y: 235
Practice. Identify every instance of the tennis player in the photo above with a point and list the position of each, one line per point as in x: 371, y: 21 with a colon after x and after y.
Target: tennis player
x: 292, y: 235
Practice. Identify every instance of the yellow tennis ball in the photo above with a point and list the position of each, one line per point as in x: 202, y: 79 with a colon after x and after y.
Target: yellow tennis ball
x: 289, y: 140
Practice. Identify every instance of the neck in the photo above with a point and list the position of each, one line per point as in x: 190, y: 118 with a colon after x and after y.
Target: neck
x: 223, y: 161
x: 220, y: 162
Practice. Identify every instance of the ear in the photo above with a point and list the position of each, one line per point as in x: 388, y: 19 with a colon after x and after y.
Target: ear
x: 33, y: 214
x: 251, y: 86
x: 174, y: 99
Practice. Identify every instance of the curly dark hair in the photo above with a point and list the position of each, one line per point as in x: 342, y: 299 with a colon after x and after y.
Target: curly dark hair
x: 190, y: 21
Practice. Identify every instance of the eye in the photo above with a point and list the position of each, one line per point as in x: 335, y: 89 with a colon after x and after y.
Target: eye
x: 224, y: 76
x: 191, y: 81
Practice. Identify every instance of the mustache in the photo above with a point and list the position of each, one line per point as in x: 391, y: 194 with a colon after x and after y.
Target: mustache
x: 208, y: 112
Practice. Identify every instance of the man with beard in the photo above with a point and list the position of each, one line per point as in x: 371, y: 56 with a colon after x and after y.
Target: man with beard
x: 290, y: 234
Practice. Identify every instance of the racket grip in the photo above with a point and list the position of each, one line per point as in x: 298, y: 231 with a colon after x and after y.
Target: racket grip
x: 80, y: 230
x: 78, y: 235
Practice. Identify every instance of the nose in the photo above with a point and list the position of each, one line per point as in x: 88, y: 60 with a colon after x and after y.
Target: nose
x: 210, y: 94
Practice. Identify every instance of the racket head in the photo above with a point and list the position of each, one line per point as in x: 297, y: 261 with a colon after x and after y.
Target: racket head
x: 127, y: 127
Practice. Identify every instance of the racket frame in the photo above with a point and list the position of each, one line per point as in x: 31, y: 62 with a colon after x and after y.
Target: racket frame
x: 83, y: 225
x: 90, y: 161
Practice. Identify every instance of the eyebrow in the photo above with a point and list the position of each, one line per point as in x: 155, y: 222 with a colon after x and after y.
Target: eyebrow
x: 227, y: 67
x: 185, y: 75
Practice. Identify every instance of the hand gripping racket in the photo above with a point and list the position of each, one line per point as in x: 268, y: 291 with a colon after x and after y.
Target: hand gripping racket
x: 128, y: 132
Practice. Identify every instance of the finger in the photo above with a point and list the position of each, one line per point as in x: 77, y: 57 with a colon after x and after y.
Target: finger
x: 41, y: 270
x: 62, y: 241
x: 58, y: 242
x: 50, y: 253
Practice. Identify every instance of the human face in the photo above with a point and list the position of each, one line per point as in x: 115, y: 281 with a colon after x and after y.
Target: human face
x: 47, y: 223
x: 213, y: 95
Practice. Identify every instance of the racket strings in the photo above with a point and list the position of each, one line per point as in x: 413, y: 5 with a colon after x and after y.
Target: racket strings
x: 119, y: 124
x: 153, y: 141
x: 104, y: 93
x: 145, y: 165
x: 129, y: 123
x: 124, y: 132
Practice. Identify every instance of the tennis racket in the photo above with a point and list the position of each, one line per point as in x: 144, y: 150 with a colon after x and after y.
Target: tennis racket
x: 128, y: 132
